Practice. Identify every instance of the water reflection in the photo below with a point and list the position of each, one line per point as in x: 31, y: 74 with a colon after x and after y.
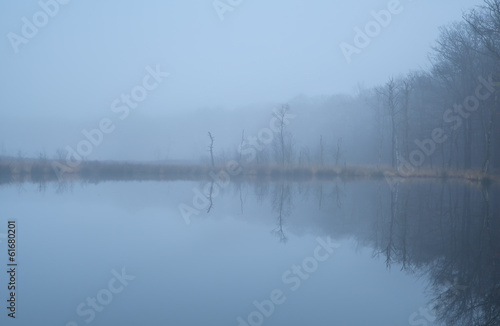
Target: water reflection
x: 448, y: 233
x: 282, y: 206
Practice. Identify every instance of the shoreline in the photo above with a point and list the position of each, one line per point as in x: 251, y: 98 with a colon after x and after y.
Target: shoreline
x: 35, y: 171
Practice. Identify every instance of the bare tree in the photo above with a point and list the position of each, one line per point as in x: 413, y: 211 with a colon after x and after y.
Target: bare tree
x: 321, y: 150
x: 485, y: 22
x: 388, y: 94
x: 283, y: 143
x: 406, y: 87
x: 337, y: 155
x: 61, y: 154
x: 211, y: 148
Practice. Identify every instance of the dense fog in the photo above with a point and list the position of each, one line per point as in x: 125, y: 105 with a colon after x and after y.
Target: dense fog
x: 367, y: 84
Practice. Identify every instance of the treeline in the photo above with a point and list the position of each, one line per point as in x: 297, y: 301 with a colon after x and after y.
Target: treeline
x: 446, y: 116
x: 442, y: 118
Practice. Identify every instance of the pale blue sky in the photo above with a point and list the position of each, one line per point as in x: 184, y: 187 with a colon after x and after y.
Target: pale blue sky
x: 66, y: 78
x: 91, y: 52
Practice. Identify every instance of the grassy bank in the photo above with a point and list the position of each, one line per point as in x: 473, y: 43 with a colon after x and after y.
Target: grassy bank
x: 50, y: 171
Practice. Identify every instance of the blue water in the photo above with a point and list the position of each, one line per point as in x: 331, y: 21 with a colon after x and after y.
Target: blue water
x: 122, y: 254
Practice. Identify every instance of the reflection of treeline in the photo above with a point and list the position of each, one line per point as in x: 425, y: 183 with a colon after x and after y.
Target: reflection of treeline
x: 25, y: 170
x: 452, y: 231
x: 42, y: 170
x: 447, y: 231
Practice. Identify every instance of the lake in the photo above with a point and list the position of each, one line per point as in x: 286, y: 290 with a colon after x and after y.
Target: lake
x: 255, y: 253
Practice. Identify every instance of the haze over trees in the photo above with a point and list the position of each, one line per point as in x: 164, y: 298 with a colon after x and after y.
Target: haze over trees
x: 444, y: 117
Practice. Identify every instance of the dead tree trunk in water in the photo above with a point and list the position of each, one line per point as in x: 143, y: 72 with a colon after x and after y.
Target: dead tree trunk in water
x: 211, y: 148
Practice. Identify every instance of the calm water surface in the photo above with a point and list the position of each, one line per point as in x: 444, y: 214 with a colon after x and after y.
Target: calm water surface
x: 276, y: 253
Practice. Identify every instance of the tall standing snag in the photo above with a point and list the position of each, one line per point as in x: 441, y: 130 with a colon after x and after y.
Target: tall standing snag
x: 284, y: 153
x: 337, y: 155
x: 211, y: 148
x: 389, y: 96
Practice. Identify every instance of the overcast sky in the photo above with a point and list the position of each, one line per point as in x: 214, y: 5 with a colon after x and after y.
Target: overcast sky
x: 89, y: 53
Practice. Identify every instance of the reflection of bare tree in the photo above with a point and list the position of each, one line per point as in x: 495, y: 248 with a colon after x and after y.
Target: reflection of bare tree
x: 319, y: 194
x: 450, y: 303
x: 64, y: 186
x: 42, y: 185
x: 446, y: 232
x: 476, y: 265
x: 390, y: 243
x: 261, y: 190
x: 386, y: 245
x: 241, y: 197
x: 282, y: 205
x: 404, y: 234
x: 337, y: 193
x: 303, y: 190
x: 211, y: 205
x: 450, y: 233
